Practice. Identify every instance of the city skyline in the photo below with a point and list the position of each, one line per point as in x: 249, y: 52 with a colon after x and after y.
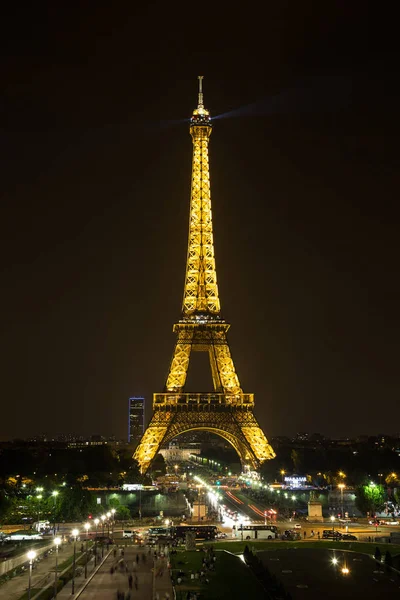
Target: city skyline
x: 96, y: 199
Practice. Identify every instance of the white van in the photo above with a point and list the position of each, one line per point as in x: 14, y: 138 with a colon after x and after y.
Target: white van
x: 128, y: 533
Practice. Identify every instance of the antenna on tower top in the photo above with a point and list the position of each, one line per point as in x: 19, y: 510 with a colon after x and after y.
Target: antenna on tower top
x: 200, y: 78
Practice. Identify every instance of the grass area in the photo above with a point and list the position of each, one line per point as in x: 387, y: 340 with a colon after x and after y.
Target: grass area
x: 230, y: 579
x: 363, y: 547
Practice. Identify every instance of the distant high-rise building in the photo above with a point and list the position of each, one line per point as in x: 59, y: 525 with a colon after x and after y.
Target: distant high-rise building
x: 136, y: 418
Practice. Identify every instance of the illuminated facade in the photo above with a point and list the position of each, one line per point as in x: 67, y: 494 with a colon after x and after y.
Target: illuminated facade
x: 135, y: 419
x: 226, y: 411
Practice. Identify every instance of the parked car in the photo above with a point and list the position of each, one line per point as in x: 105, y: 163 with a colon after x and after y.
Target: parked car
x: 331, y: 534
x: 297, y: 526
x: 349, y: 537
x: 221, y: 535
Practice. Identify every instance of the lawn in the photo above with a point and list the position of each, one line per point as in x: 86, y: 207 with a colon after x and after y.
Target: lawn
x: 231, y: 578
x: 363, y: 547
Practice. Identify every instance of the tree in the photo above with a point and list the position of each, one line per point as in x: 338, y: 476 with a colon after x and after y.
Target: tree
x: 123, y: 513
x: 370, y: 498
x: 76, y: 504
x: 158, y: 466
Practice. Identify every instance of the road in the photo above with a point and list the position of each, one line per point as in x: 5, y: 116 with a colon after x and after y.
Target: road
x: 237, y: 501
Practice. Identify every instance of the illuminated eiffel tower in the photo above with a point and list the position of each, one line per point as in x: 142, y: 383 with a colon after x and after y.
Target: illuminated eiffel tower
x: 226, y: 411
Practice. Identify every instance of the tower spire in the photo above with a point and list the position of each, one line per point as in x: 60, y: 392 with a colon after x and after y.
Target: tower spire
x: 200, y: 103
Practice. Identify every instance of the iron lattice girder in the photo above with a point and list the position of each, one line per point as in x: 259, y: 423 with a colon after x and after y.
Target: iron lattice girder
x: 201, y: 334
x: 201, y: 289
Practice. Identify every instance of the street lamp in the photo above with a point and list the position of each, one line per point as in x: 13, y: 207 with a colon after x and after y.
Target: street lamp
x: 108, y: 515
x: 113, y: 520
x: 341, y: 486
x: 57, y: 542
x: 283, y: 473
x: 333, y: 522
x: 31, y: 556
x: 39, y: 497
x: 96, y: 522
x: 87, y: 527
x: 55, y: 494
x: 75, y: 533
x: 103, y: 518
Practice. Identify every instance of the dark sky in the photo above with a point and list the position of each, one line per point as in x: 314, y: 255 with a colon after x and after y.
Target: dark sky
x: 95, y: 184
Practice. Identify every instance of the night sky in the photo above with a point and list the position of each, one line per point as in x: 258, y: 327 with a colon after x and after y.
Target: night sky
x: 95, y: 187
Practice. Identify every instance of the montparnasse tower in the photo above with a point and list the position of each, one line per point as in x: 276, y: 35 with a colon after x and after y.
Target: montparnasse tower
x: 226, y: 410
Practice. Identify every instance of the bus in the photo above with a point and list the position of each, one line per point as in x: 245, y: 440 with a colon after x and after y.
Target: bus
x: 203, y: 532
x: 154, y: 532
x: 257, y: 532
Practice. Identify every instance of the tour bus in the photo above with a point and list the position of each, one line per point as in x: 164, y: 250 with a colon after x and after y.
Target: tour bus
x: 203, y: 532
x: 257, y: 532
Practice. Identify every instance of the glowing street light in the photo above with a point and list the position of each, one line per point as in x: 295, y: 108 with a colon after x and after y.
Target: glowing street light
x: 87, y: 527
x: 75, y: 533
x: 341, y: 486
x: 333, y: 522
x: 334, y: 560
x: 57, y: 542
x: 31, y: 556
x: 345, y: 570
x: 96, y: 523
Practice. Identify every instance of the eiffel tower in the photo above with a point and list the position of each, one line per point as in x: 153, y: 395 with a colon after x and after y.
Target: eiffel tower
x: 226, y: 411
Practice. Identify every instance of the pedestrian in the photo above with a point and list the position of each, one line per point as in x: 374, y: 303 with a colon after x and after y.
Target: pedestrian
x: 319, y: 535
x: 136, y: 582
x: 115, y: 552
x: 137, y: 559
x: 305, y: 535
x: 112, y: 570
x: 130, y: 581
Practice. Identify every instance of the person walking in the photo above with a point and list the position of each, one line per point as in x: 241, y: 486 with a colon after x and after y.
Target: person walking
x: 305, y: 535
x: 130, y: 581
x: 137, y: 559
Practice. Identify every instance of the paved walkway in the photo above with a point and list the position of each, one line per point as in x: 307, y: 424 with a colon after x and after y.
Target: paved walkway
x: 43, y: 571
x: 105, y: 585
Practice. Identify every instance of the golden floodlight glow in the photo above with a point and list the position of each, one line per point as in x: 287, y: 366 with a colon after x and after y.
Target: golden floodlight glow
x: 226, y: 411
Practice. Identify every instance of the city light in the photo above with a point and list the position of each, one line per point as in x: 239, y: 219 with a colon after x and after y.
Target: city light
x: 57, y: 541
x: 31, y: 555
x: 345, y: 570
x: 75, y: 533
x: 55, y: 493
x: 334, y: 560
